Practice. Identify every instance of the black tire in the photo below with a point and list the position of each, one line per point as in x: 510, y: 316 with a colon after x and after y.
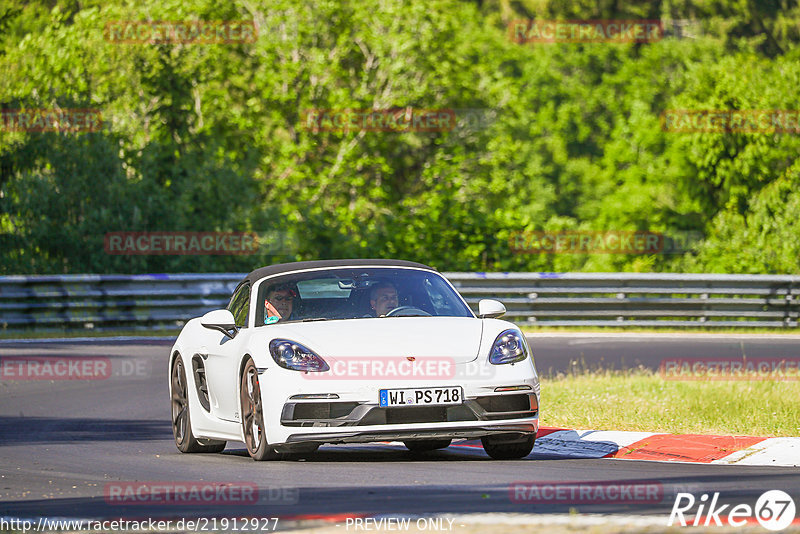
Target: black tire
x: 425, y: 445
x: 253, y: 416
x: 508, y: 446
x: 181, y: 422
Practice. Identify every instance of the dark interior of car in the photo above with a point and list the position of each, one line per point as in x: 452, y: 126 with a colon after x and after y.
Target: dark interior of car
x: 357, y: 305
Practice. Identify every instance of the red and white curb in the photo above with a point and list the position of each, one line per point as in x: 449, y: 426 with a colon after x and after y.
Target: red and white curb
x: 692, y: 448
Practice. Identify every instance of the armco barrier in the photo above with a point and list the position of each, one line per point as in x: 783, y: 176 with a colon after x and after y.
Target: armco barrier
x: 103, y: 302
x: 638, y: 299
x: 166, y: 301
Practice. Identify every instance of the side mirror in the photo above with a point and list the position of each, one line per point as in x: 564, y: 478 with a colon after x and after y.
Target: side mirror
x: 221, y: 320
x: 490, y: 309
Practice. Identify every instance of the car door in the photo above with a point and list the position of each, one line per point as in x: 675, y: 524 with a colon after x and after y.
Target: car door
x: 222, y: 362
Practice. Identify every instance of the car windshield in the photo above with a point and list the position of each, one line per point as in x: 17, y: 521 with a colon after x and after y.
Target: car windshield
x: 355, y: 293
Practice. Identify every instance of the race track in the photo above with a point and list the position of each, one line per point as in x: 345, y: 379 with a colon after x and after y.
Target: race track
x: 559, y: 352
x: 63, y: 442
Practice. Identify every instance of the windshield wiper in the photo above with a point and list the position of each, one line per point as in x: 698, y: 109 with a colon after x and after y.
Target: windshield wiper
x: 314, y: 319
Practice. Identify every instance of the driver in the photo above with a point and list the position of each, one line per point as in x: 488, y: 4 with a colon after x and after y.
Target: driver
x: 279, y: 303
x: 383, y: 298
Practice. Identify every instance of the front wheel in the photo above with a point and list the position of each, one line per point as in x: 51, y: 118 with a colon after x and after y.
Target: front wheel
x: 508, y: 447
x: 181, y: 422
x: 255, y: 436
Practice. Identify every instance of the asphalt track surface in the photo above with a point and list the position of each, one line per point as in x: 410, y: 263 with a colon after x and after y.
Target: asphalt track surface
x: 560, y: 352
x: 62, y: 442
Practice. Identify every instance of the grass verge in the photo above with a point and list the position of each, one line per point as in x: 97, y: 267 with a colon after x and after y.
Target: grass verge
x: 641, y: 400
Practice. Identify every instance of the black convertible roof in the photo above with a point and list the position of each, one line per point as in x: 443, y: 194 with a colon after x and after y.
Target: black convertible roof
x: 279, y: 268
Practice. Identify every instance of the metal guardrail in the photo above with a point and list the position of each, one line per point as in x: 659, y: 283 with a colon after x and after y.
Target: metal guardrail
x: 639, y: 299
x: 166, y: 301
x: 110, y: 302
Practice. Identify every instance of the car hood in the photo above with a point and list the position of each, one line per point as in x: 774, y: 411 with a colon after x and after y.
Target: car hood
x: 456, y: 338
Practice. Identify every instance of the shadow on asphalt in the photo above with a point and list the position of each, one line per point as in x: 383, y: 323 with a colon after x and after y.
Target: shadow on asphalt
x: 417, y: 500
x: 22, y: 430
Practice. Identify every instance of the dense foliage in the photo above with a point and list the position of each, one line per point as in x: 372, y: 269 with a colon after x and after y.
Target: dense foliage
x: 555, y: 137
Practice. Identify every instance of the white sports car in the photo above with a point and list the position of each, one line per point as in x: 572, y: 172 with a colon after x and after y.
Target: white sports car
x: 352, y: 351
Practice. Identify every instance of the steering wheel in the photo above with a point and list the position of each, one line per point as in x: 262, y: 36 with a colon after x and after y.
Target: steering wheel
x: 396, y: 311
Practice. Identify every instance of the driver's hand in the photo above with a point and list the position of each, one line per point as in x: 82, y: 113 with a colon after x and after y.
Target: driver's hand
x: 271, y: 311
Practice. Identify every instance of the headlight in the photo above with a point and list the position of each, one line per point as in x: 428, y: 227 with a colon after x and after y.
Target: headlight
x: 291, y: 355
x: 509, y: 347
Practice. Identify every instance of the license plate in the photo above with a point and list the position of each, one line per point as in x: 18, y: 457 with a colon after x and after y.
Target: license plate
x: 421, y: 396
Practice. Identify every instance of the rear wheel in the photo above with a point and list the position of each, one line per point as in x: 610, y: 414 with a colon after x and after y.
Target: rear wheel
x: 181, y: 422
x: 255, y: 436
x: 508, y: 446
x: 425, y: 445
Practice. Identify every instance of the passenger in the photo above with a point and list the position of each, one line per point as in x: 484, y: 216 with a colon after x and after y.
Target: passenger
x: 279, y: 303
x: 383, y: 298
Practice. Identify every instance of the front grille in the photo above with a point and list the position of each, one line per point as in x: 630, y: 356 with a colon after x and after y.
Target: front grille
x: 417, y: 414
x: 338, y: 414
x: 322, y: 410
x: 423, y: 414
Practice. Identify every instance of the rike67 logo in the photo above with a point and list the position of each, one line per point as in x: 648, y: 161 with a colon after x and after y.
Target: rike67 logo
x: 774, y: 510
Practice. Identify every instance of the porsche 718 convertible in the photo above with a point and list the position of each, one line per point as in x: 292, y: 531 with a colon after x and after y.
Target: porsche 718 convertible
x: 352, y: 351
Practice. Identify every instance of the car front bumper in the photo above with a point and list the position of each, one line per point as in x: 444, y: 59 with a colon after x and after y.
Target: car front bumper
x: 299, y: 410
x: 367, y: 436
